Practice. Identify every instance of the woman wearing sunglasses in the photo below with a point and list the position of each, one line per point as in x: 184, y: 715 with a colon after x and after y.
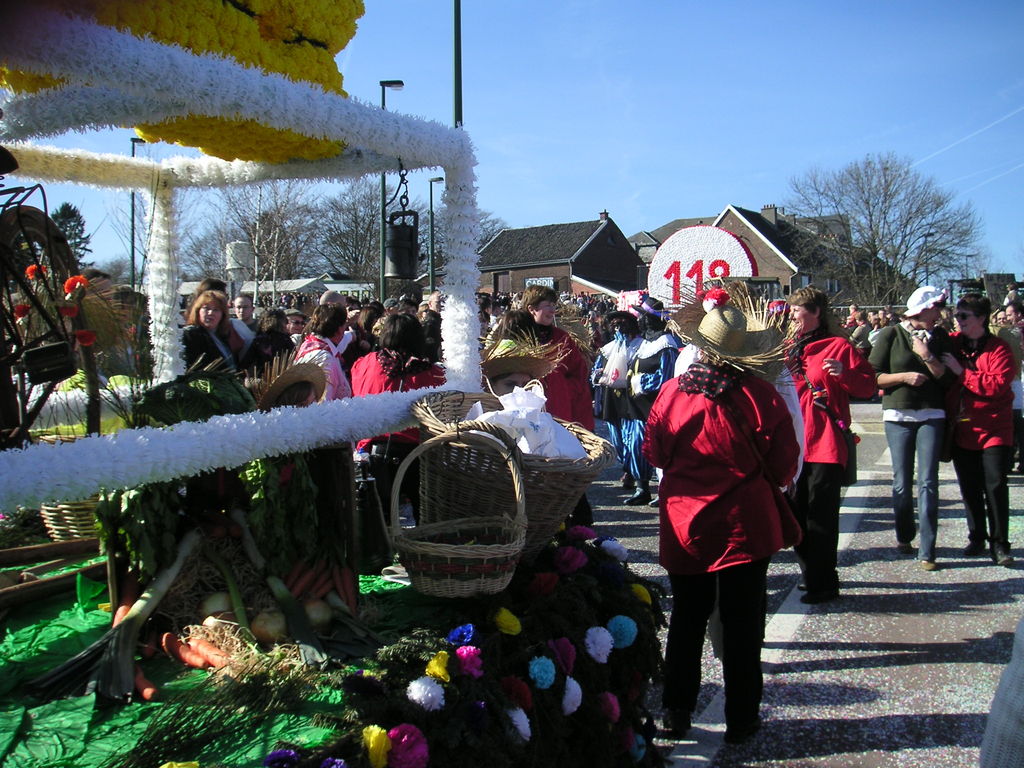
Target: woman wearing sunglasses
x: 983, y: 439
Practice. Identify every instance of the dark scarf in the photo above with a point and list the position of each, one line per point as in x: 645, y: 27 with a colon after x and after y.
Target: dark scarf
x: 795, y: 351
x: 971, y: 348
x: 395, y: 365
x: 712, y: 381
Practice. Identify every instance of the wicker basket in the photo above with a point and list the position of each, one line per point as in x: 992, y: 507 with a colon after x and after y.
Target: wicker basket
x: 65, y: 520
x: 553, y: 486
x: 467, y: 553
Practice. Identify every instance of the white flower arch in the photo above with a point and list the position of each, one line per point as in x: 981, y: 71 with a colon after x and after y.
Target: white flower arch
x: 114, y: 79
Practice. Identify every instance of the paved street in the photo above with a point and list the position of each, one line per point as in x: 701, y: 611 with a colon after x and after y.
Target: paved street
x: 899, y: 672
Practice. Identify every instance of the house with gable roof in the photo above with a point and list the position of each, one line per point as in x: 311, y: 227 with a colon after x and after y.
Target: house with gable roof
x: 578, y: 257
x: 790, y: 251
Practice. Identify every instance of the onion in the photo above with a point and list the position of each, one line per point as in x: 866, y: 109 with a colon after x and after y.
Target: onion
x: 269, y: 627
x: 220, y: 619
x: 214, y: 603
x: 319, y: 613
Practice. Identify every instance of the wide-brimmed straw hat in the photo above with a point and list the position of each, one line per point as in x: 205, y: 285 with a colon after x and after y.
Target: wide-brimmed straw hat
x: 519, y: 355
x: 274, y: 382
x: 732, y: 332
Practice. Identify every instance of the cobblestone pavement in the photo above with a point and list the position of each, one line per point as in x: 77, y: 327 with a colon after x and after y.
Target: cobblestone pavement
x: 899, y: 672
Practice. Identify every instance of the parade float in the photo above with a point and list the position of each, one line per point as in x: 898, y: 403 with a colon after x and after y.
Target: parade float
x: 230, y: 613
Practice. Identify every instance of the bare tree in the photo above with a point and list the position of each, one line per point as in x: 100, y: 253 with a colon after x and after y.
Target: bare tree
x: 349, y: 240
x: 902, y: 229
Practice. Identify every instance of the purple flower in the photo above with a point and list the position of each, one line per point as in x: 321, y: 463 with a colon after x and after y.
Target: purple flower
x: 611, y: 574
x: 569, y: 560
x: 565, y: 654
x: 579, y: 533
x: 333, y: 762
x: 408, y: 747
x: 470, y: 662
x: 281, y: 758
x: 476, y: 716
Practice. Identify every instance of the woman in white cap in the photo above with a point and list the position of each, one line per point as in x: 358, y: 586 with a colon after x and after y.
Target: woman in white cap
x: 907, y: 359
x: 726, y: 443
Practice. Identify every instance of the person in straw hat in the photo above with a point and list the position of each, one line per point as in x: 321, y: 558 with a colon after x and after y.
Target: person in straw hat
x: 828, y: 371
x: 513, y: 362
x: 298, y: 385
x: 726, y: 443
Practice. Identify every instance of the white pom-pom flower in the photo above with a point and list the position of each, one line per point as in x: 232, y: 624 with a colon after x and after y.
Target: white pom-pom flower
x: 599, y: 643
x: 520, y: 722
x: 572, y: 697
x: 426, y: 692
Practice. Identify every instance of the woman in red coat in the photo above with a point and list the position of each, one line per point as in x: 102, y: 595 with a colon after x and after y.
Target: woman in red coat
x: 827, y: 370
x: 398, y: 366
x: 724, y: 438
x: 983, y: 438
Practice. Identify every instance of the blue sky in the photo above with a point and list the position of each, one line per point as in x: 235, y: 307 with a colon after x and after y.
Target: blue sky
x: 661, y: 110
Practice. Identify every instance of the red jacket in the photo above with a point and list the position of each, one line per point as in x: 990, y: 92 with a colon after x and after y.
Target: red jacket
x: 823, y: 441
x: 983, y: 400
x: 568, y: 386
x: 368, y: 378
x: 717, y: 507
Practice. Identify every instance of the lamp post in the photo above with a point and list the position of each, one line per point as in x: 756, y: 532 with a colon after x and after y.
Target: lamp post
x: 395, y: 85
x: 131, y: 232
x: 924, y: 257
x: 457, y: 62
x: 430, y: 260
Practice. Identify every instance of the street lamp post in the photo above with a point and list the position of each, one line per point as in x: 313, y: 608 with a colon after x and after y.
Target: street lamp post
x: 430, y: 261
x: 395, y: 85
x: 924, y: 257
x: 131, y: 232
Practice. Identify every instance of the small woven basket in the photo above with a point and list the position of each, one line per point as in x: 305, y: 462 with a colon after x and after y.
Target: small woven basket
x: 553, y: 486
x: 469, y: 550
x: 66, y: 520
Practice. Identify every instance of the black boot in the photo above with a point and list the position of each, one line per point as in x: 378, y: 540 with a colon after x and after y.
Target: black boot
x: 641, y: 496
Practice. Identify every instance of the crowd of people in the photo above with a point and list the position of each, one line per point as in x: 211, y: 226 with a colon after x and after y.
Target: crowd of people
x: 734, y: 423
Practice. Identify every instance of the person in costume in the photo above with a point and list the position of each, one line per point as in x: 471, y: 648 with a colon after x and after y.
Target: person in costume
x: 983, y: 440
x: 508, y: 363
x: 326, y: 339
x: 610, y: 378
x: 652, y: 365
x: 907, y: 359
x: 726, y: 444
x: 828, y: 370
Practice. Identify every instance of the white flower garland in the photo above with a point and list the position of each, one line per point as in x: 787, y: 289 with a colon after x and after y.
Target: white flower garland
x: 68, y: 471
x: 117, y: 79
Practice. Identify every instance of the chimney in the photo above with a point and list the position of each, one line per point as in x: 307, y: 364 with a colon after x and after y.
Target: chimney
x: 603, y: 215
x: 771, y: 213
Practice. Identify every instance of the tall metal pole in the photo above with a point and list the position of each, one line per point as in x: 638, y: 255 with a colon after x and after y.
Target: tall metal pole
x: 430, y: 261
x: 131, y: 232
x: 382, y: 282
x: 458, y: 63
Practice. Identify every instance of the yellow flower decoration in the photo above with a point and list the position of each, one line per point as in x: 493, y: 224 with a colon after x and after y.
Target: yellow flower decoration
x: 507, y: 622
x: 180, y: 765
x: 295, y: 38
x: 641, y: 593
x: 437, y: 668
x: 377, y: 744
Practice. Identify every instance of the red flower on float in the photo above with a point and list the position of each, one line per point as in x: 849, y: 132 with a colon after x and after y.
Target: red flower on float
x: 68, y: 310
x: 85, y: 337
x: 74, y: 282
x: 21, y: 310
x: 35, y: 271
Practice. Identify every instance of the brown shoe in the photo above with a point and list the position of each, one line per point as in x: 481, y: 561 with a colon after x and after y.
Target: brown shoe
x: 929, y: 565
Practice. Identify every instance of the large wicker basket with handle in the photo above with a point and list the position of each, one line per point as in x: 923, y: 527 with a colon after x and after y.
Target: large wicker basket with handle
x: 553, y: 486
x: 465, y: 544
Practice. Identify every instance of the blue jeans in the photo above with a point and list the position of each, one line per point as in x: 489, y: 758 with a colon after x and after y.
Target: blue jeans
x: 923, y: 438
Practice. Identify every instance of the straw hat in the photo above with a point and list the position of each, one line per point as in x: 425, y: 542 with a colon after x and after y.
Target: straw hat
x: 281, y: 374
x: 519, y: 355
x: 732, y: 333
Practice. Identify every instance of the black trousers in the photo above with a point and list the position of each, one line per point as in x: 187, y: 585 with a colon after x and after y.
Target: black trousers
x: 982, y: 478
x: 742, y: 603
x: 818, y: 493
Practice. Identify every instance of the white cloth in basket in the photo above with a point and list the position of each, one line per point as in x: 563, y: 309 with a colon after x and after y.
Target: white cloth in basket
x: 534, y: 429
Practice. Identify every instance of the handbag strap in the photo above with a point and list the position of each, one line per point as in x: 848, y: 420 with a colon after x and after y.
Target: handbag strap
x: 841, y: 425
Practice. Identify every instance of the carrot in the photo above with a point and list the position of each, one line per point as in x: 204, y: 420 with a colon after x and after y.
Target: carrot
x: 213, y: 655
x: 180, y: 651
x: 119, y: 614
x: 151, y: 647
x: 127, y: 596
x: 305, y: 581
x: 351, y: 595
x: 146, y: 689
x: 297, y: 570
x: 323, y: 584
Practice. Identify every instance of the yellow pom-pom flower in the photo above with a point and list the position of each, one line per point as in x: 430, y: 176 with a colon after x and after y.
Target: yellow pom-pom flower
x: 507, y: 623
x: 641, y: 593
x: 377, y: 744
x: 437, y: 667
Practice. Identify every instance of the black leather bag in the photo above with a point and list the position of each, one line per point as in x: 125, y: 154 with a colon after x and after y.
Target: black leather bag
x: 850, y: 472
